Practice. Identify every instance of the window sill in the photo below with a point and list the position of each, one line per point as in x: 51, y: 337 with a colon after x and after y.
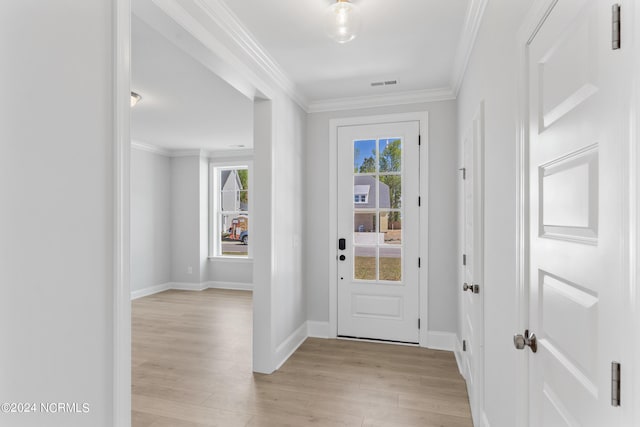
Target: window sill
x: 231, y: 259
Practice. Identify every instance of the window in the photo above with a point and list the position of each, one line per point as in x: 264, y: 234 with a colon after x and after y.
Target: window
x: 230, y: 211
x: 361, y: 194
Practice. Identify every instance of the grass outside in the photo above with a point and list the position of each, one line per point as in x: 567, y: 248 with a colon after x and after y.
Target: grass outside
x: 390, y: 268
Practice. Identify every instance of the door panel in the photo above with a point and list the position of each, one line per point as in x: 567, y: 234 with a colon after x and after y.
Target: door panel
x: 577, y: 189
x: 378, y: 189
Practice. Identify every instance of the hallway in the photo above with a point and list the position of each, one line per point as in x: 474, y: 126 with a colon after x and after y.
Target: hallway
x: 192, y: 368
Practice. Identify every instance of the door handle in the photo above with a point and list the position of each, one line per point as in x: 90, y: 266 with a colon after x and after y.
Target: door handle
x: 342, y: 244
x: 473, y: 288
x: 520, y: 342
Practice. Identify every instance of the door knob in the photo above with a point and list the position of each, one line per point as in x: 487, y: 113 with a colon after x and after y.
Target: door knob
x: 520, y: 342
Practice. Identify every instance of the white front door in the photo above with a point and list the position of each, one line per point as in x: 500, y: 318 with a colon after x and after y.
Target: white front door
x: 578, y: 177
x: 378, y: 229
x: 473, y: 287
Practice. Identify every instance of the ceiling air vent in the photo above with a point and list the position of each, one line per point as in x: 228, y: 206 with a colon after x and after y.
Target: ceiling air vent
x: 385, y: 83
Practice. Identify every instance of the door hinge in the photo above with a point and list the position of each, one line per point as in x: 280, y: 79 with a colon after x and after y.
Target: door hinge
x: 464, y: 173
x: 464, y: 259
x: 464, y: 345
x: 615, y: 384
x: 419, y: 201
x: 419, y: 262
x: 419, y: 139
x: 418, y: 323
x: 615, y: 26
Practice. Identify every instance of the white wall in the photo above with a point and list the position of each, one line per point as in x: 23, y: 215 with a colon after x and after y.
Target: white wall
x: 150, y: 219
x: 442, y: 211
x: 57, y: 208
x: 167, y: 193
x: 289, y: 290
x: 279, y: 135
x: 186, y: 220
x: 491, y: 76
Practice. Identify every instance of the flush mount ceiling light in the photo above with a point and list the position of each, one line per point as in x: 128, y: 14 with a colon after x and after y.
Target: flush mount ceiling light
x: 343, y: 21
x: 135, y: 98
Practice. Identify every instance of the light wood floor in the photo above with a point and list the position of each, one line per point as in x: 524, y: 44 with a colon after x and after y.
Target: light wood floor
x: 192, y: 368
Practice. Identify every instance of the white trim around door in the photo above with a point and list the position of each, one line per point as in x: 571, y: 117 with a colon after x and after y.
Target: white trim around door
x: 122, y: 235
x: 334, y: 124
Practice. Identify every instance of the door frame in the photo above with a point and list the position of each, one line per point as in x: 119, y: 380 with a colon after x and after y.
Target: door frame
x: 533, y: 21
x: 537, y: 15
x: 423, y: 274
x: 478, y: 189
x: 634, y: 203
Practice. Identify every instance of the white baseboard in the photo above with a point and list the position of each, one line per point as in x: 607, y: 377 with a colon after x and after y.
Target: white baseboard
x: 145, y: 292
x: 230, y: 285
x: 290, y: 345
x: 317, y: 329
x: 485, y: 420
x: 441, y: 340
x: 185, y: 286
x: 458, y: 354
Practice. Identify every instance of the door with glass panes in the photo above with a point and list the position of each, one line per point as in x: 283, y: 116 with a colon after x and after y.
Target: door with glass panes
x: 378, y: 231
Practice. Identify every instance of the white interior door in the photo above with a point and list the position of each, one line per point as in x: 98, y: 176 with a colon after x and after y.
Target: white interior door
x: 378, y: 220
x: 473, y: 287
x: 578, y: 87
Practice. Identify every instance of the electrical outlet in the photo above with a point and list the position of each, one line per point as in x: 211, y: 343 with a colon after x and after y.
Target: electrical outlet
x: 189, y: 270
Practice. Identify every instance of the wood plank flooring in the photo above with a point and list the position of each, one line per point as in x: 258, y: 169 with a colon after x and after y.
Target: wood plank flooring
x: 192, y: 368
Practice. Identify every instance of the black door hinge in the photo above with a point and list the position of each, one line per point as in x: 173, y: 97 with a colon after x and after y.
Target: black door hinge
x: 419, y: 201
x: 419, y: 262
x: 464, y: 173
x: 615, y: 26
x: 464, y: 259
x: 615, y: 384
x: 464, y: 345
x: 419, y: 139
x: 418, y: 323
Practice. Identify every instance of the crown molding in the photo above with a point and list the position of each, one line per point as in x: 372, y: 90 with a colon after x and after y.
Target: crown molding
x: 246, y: 153
x: 246, y: 43
x: 189, y: 153
x: 209, y: 154
x: 141, y: 146
x: 402, y: 98
x: 472, y: 22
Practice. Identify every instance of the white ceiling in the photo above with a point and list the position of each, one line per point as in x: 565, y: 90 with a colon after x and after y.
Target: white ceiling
x: 184, y: 105
x: 413, y: 41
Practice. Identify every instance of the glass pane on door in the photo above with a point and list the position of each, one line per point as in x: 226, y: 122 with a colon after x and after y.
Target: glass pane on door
x: 390, y: 263
x: 365, y: 262
x: 364, y: 156
x: 377, y: 209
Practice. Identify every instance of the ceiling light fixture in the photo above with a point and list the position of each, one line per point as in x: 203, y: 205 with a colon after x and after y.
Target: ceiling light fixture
x: 135, y: 98
x: 343, y: 21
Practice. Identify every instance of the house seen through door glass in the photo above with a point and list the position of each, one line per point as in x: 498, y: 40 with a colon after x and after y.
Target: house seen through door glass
x: 377, y: 210
x: 233, y: 211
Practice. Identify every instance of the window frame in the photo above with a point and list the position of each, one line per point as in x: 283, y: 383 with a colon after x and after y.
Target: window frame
x: 214, y: 229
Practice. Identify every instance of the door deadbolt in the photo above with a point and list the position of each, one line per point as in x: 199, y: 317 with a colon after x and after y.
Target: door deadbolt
x: 520, y: 342
x: 473, y: 288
